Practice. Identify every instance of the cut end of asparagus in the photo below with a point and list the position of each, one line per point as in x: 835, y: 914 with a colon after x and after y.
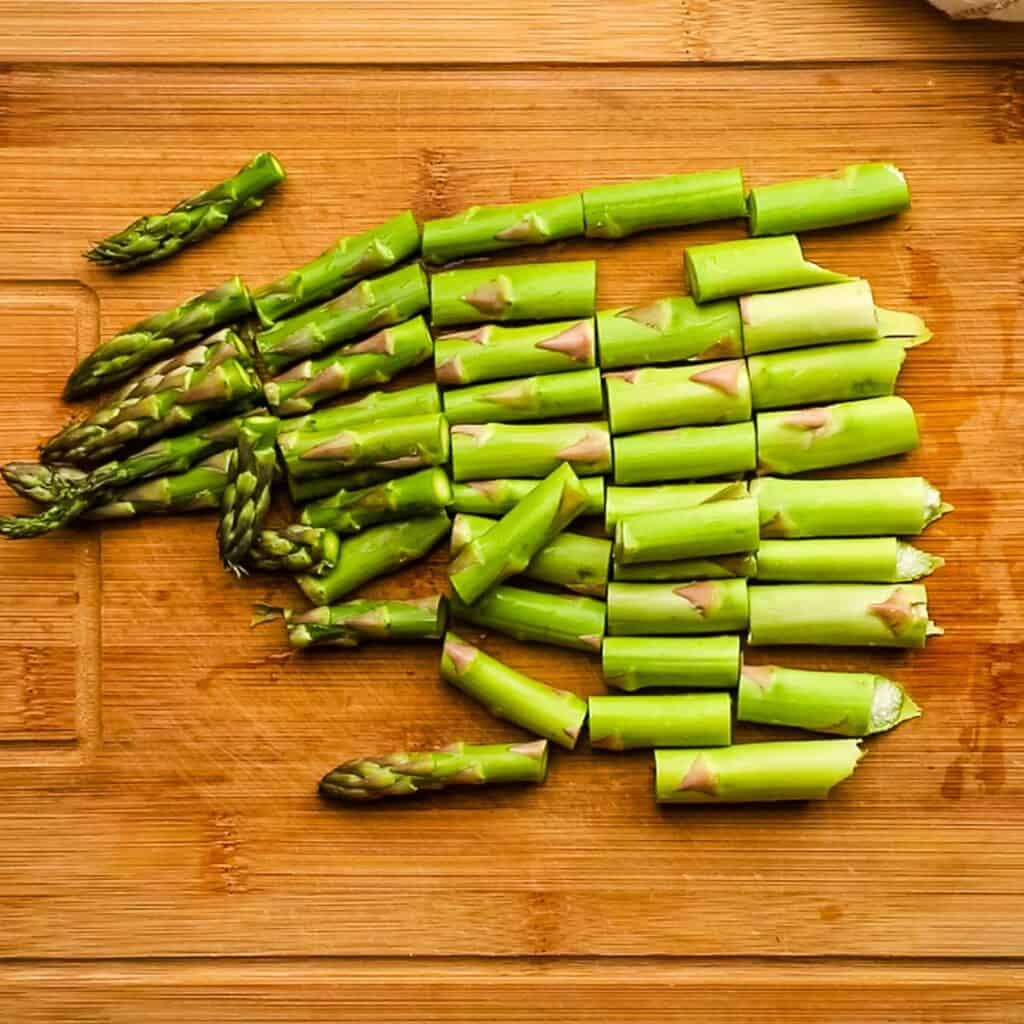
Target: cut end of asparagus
x: 907, y: 328
x: 913, y: 563
x: 934, y: 506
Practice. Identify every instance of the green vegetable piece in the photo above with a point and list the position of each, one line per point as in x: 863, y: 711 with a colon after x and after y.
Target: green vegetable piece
x: 350, y: 623
x: 722, y: 567
x: 421, y: 400
x: 843, y: 560
x: 623, y: 502
x: 692, y: 662
x: 551, y: 396
x: 666, y: 720
x: 685, y: 453
x: 295, y: 548
x: 677, y: 609
x: 496, y: 497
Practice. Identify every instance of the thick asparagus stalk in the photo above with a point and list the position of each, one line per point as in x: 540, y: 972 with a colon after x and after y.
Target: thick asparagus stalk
x: 158, y: 236
x: 666, y: 720
x: 370, y: 305
x: 677, y: 609
x: 669, y: 330
x: 614, y: 211
x: 575, y: 622
x: 843, y: 703
x: 843, y: 560
x: 623, y: 502
x: 483, y: 229
x: 550, y: 396
x: 685, y: 453
x: 295, y: 548
x: 691, y: 662
x: 459, y: 764
x: 721, y: 568
x: 858, y: 192
x: 557, y: 715
x: 347, y: 261
x: 484, y: 450
x: 834, y: 435
x: 375, y: 552
x: 156, y: 337
x: 754, y: 772
x: 839, y: 614
x: 42, y: 483
x: 315, y: 487
x: 421, y: 400
x: 903, y: 506
x: 724, y: 269
x: 349, y: 624
x: 496, y: 497
x: 534, y: 291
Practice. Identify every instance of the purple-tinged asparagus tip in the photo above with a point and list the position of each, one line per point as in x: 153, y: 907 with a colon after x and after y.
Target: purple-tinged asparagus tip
x: 490, y: 298
x: 700, y: 778
x: 725, y: 378
x: 577, y: 342
x: 461, y: 655
x: 895, y: 611
x: 702, y: 595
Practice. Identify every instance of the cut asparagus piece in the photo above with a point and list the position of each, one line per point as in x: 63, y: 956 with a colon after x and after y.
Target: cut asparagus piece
x: 496, y: 497
x: 315, y: 487
x: 484, y: 229
x: 551, y: 396
x: 843, y: 560
x: 373, y: 360
x: 677, y: 609
x: 156, y: 337
x: 557, y: 715
x: 43, y: 484
x: 614, y: 211
x: 159, y: 236
x: 691, y: 662
x: 347, y: 261
x: 839, y: 614
x: 533, y: 291
x: 421, y: 400
x: 722, y: 568
x: 375, y: 552
x: 685, y: 453
x: 846, y: 508
x: 669, y: 330
x: 754, y: 772
x: 459, y: 764
x: 623, y: 502
x: 349, y: 624
x: 856, y: 193
x: 484, y: 450
x: 295, y: 548
x: 666, y: 720
x: 724, y: 269
x: 370, y: 305
x: 842, y: 703
x: 576, y: 622
x: 795, y: 441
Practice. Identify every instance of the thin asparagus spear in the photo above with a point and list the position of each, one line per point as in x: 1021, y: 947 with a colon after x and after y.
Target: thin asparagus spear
x: 721, y: 568
x: 41, y: 483
x: 692, y: 662
x: 550, y: 396
x: 295, y: 548
x: 314, y: 487
x: 677, y: 609
x: 843, y: 560
x: 421, y: 400
x: 623, y: 502
x: 685, y: 453
x: 666, y: 720
x: 484, y: 450
x: 496, y: 497
x: 349, y: 624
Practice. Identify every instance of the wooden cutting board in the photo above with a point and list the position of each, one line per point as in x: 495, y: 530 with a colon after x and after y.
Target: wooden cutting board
x: 163, y: 855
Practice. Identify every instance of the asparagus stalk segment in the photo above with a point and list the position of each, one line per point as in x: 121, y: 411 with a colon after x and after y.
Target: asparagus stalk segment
x: 666, y: 720
x: 685, y: 453
x: 677, y: 609
x: 496, y: 497
x: 722, y: 567
x: 309, y: 489
x: 349, y: 624
x: 841, y: 703
x: 459, y: 764
x: 295, y: 548
x: 484, y: 450
x: 754, y: 772
x: 557, y: 715
x: 843, y: 560
x: 41, y: 483
x: 421, y: 400
x: 691, y: 662
x: 157, y: 236
x: 550, y: 396
x: 623, y: 502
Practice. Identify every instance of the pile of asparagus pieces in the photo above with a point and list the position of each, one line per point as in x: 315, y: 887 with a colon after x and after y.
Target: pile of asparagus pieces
x: 647, y: 419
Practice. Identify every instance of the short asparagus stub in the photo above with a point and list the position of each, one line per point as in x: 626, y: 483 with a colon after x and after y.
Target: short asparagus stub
x: 677, y: 609
x: 353, y: 622
x: 550, y: 396
x: 841, y: 703
x: 623, y: 502
x: 665, y: 720
x: 685, y: 453
x: 754, y: 772
x: 481, y: 451
x: 421, y: 400
x: 459, y: 764
x: 557, y: 715
x: 722, y: 567
x: 691, y: 662
x: 496, y: 497
x: 314, y: 487
x: 843, y: 560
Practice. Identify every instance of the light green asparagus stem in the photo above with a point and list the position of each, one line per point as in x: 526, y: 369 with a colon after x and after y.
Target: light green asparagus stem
x: 551, y: 396
x: 484, y: 229
x: 156, y: 337
x: 685, y: 453
x: 368, y: 306
x: 666, y: 720
x: 557, y: 715
x: 856, y: 193
x: 315, y: 487
x: 691, y: 662
x: 295, y: 548
x: 840, y: 614
x: 41, y: 483
x: 459, y: 764
x: 724, y: 269
x: 615, y: 211
x: 677, y: 609
x: 421, y: 400
x: 670, y: 330
x: 754, y: 772
x: 496, y: 497
x: 484, y: 450
x: 349, y: 624
x: 529, y: 615
x: 622, y: 502
x: 721, y: 568
x: 375, y: 552
x: 843, y: 560
x: 842, y: 703
x: 159, y: 236
x: 535, y: 291
x: 347, y: 261
x: 834, y: 435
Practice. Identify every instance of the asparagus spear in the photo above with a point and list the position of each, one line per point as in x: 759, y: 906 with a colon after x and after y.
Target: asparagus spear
x: 666, y: 720
x: 496, y: 497
x: 856, y: 193
x: 834, y: 435
x: 315, y: 487
x: 42, y: 483
x: 615, y: 211
x: 421, y: 400
x: 550, y: 396
x: 677, y: 609
x: 459, y: 764
x: 840, y: 614
x: 685, y: 453
x: 842, y: 703
x: 695, y: 662
x: 484, y: 450
x: 557, y: 715
x: 754, y: 772
x: 158, y: 236
x: 157, y: 336
x: 846, y: 560
x: 484, y: 229
x: 349, y: 624
x: 534, y: 291
x: 721, y: 568
x: 347, y: 261
x: 295, y: 548
x: 623, y: 502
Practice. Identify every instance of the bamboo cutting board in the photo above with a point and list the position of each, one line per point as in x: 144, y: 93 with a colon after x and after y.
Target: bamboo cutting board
x: 163, y: 856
